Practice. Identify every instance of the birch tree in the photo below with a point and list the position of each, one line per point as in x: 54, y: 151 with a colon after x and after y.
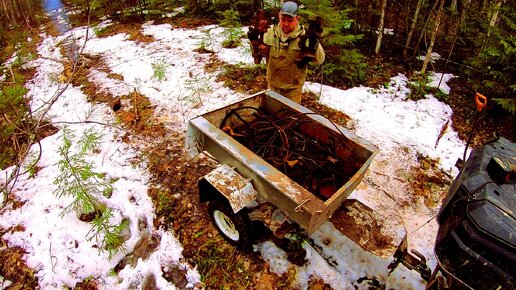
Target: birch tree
x: 434, y: 36
x: 493, y: 19
x: 423, y: 30
x: 494, y: 15
x: 413, y: 26
x: 381, y: 27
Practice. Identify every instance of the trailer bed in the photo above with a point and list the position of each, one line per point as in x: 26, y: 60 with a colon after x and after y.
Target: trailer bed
x: 205, y: 134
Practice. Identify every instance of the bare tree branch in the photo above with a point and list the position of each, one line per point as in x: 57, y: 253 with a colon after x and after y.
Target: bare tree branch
x: 11, y: 180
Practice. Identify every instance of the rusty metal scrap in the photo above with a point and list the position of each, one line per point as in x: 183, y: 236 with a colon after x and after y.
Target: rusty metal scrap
x: 290, y: 142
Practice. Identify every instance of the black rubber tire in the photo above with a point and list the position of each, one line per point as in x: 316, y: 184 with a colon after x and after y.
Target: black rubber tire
x: 238, y: 231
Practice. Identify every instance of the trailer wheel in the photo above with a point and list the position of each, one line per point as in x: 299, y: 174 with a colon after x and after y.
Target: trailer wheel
x: 234, y: 227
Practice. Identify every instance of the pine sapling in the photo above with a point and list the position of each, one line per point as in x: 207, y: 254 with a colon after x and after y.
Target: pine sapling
x: 88, y: 188
x: 107, y: 235
x: 198, y: 85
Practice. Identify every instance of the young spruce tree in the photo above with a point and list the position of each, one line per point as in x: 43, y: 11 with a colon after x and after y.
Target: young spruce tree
x: 88, y: 188
x: 343, y: 62
x: 495, y: 64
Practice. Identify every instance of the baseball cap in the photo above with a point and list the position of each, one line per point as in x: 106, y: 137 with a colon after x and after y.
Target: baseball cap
x: 289, y: 8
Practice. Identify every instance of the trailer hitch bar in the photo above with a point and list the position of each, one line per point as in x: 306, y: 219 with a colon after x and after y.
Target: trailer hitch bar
x: 413, y: 261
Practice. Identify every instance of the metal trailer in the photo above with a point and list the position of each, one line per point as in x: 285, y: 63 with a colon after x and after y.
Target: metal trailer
x: 246, y: 188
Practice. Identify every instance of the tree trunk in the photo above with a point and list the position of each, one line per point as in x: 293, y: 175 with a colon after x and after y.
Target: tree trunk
x: 455, y: 36
x: 457, y: 28
x: 412, y: 26
x: 464, y: 11
x: 453, y: 5
x: 434, y: 36
x: 493, y: 21
x: 372, y: 16
x: 381, y: 27
x: 494, y: 15
x: 398, y: 19
x: 423, y: 30
x: 4, y: 10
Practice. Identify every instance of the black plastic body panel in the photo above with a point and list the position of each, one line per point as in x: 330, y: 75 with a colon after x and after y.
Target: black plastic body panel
x: 476, y: 241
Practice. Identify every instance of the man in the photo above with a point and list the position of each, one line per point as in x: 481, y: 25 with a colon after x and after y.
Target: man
x: 286, y: 61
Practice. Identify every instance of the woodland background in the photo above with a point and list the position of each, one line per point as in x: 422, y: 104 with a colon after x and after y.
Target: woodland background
x: 475, y: 39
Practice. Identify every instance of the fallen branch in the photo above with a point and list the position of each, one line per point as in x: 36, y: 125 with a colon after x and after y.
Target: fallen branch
x: 11, y: 180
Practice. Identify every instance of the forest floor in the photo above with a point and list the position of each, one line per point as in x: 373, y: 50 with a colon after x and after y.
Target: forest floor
x: 187, y: 217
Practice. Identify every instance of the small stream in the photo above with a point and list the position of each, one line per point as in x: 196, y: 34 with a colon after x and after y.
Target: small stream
x: 56, y: 11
